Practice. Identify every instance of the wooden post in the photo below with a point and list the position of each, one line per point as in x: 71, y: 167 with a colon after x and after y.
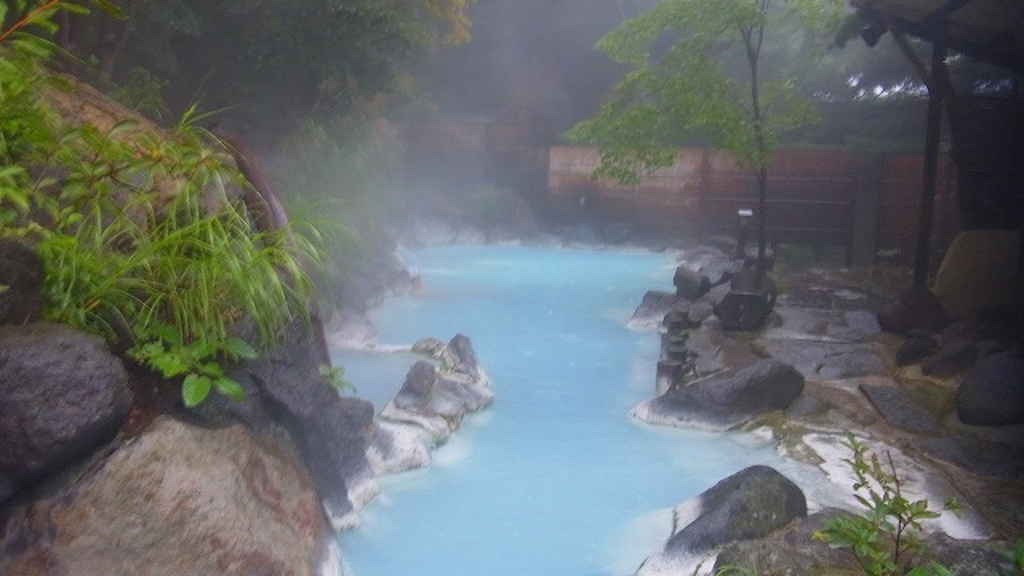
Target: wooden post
x: 937, y: 89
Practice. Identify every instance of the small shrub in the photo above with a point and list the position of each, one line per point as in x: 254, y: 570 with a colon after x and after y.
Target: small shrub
x: 887, y: 533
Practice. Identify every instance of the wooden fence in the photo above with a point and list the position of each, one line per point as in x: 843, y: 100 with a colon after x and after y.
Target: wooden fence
x: 863, y: 203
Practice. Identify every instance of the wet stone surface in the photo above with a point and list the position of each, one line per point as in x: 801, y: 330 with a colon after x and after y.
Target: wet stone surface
x: 900, y: 408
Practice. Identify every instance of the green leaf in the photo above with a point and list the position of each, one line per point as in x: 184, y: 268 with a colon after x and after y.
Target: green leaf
x: 230, y: 388
x: 123, y: 126
x: 111, y: 9
x: 170, y: 364
x: 74, y: 8
x: 236, y: 348
x: 195, y: 389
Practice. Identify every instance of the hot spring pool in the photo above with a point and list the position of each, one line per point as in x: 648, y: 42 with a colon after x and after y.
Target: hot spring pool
x: 555, y: 478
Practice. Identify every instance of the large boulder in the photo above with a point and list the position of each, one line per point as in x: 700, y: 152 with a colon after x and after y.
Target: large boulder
x: 21, y: 283
x: 177, y: 500
x: 62, y: 393
x: 992, y: 392
x: 726, y: 399
x: 979, y: 272
x: 752, y: 503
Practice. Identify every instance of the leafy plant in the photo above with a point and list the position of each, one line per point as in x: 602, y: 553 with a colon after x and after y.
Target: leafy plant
x: 142, y: 238
x: 887, y: 533
x: 1017, y: 555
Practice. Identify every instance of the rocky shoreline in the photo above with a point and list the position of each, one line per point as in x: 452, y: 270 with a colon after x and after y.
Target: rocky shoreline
x: 822, y: 367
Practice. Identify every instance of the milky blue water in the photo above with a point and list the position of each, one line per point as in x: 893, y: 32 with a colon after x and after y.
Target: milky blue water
x: 555, y: 478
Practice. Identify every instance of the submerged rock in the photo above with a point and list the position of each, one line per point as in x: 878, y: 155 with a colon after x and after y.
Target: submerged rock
x: 752, y: 503
x: 62, y: 393
x: 726, y: 399
x: 177, y: 500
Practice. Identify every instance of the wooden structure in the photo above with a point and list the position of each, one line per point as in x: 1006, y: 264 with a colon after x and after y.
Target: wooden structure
x: 814, y: 197
x: 987, y: 30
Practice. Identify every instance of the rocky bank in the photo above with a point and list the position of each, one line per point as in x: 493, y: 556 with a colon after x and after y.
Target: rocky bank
x: 943, y: 403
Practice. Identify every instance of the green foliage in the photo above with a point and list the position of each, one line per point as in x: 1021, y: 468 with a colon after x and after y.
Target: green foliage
x: 142, y: 240
x: 692, y: 88
x: 1017, y: 555
x: 335, y: 376
x: 886, y: 534
x: 273, y: 62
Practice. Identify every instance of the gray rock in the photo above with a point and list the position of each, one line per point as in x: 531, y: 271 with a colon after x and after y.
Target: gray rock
x: 177, y: 500
x: 464, y: 359
x: 817, y: 359
x: 969, y: 557
x: 952, y: 358
x: 857, y: 326
x: 992, y: 392
x: 653, y: 307
x: 62, y: 393
x: 977, y: 456
x: 752, y: 503
x: 21, y: 283
x: 916, y: 348
x: 900, y: 408
x: 286, y: 388
x: 726, y: 399
x: 690, y: 284
x: 428, y: 395
x: 396, y: 447
x: 793, y: 551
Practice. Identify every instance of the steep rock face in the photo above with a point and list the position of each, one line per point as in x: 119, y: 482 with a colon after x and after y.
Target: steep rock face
x: 726, y: 399
x: 178, y: 500
x: 62, y: 393
x: 284, y: 387
x: 752, y: 503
